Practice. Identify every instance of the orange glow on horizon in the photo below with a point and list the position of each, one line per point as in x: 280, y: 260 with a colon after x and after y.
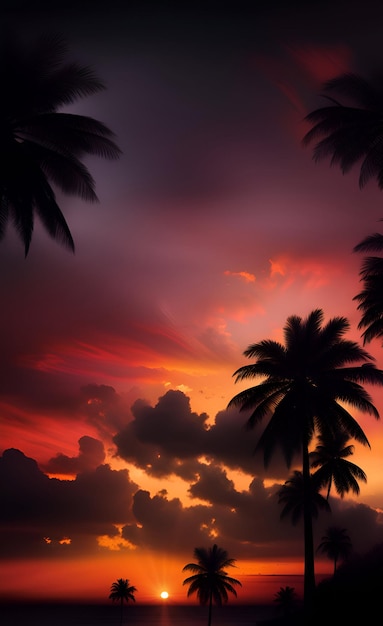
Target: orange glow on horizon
x: 90, y: 581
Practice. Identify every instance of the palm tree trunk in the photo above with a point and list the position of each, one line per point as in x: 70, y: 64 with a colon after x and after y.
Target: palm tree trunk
x: 122, y: 609
x: 309, y: 568
x: 210, y: 608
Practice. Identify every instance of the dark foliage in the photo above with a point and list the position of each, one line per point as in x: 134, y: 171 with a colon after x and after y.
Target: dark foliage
x: 41, y: 147
x: 353, y: 594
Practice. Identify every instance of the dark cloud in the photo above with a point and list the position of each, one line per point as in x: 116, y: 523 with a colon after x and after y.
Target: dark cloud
x: 47, y: 517
x: 164, y: 524
x: 35, y: 507
x: 252, y: 513
x: 248, y: 523
x: 160, y: 438
x: 91, y: 455
x: 364, y: 524
x: 213, y: 485
x: 234, y: 445
x: 171, y: 424
x: 104, y: 409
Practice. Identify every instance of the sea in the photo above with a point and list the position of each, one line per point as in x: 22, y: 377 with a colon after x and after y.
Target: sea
x: 234, y: 613
x: 57, y: 614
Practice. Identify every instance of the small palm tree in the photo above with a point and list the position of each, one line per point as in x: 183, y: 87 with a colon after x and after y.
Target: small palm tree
x: 336, y: 544
x: 286, y: 599
x: 40, y: 145
x: 210, y: 581
x: 291, y: 495
x: 121, y: 590
x: 371, y: 297
x: 330, y: 456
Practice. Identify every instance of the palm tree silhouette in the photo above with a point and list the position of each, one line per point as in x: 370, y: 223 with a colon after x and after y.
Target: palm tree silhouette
x: 40, y: 145
x: 121, y: 590
x: 350, y: 131
x: 371, y: 297
x: 286, y: 599
x: 336, y: 544
x: 302, y: 385
x: 210, y: 581
x: 330, y: 456
x: 291, y: 495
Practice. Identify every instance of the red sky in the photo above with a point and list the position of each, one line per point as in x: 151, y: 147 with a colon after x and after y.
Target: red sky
x: 213, y: 228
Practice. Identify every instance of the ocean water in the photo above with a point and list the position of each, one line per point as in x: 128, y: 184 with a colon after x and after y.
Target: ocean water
x: 259, y: 588
x: 133, y: 615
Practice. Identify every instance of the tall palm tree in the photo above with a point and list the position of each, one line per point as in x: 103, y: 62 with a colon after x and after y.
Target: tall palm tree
x: 371, y: 297
x: 336, y: 544
x: 210, y: 581
x: 291, y: 495
x: 121, y: 590
x: 303, y: 388
x: 330, y: 456
x: 349, y: 128
x: 41, y: 146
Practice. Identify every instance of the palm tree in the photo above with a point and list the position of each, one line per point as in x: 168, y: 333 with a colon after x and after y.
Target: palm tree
x: 350, y: 131
x: 210, y: 581
x: 291, y: 495
x: 371, y: 297
x: 121, y: 590
x: 336, y: 544
x: 330, y: 456
x: 42, y: 146
x: 304, y: 386
x: 286, y: 599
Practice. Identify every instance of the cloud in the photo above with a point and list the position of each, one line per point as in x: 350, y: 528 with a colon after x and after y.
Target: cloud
x: 247, y: 276
x: 35, y: 507
x: 160, y: 439
x: 103, y: 509
x: 91, y: 455
x: 356, y: 516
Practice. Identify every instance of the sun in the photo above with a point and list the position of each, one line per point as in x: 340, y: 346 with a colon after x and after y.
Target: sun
x: 164, y: 595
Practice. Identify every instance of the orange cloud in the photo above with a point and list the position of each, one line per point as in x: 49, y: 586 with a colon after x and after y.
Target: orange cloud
x: 277, y: 267
x: 314, y: 273
x: 249, y: 278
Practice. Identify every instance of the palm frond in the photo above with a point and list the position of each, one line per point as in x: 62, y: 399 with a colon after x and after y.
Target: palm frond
x: 42, y: 145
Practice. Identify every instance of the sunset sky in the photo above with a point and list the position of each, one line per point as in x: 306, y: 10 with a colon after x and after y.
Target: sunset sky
x: 119, y: 456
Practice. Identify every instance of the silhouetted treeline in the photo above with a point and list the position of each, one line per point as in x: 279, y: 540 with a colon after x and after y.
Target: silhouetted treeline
x: 354, y: 594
